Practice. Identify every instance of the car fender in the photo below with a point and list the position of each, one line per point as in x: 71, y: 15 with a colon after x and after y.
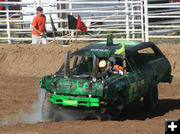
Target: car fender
x: 117, y: 86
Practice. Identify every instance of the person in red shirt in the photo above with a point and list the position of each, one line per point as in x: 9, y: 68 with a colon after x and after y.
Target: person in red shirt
x: 39, y: 28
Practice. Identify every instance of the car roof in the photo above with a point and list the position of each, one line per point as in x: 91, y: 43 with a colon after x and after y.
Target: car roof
x: 102, y: 49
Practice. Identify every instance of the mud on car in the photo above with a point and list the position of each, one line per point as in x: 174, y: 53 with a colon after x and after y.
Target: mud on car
x: 101, y: 78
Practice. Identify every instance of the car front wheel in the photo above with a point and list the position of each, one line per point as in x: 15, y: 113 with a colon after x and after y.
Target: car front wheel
x: 48, y: 108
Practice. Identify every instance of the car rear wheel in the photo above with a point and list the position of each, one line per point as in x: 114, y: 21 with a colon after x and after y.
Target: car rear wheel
x: 48, y: 108
x: 118, y: 104
x: 151, y: 99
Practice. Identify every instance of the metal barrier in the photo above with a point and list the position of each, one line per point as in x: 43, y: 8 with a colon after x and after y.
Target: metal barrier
x: 162, y: 21
x: 133, y: 19
x: 122, y: 18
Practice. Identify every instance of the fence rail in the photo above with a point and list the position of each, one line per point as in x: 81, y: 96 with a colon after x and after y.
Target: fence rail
x: 162, y: 21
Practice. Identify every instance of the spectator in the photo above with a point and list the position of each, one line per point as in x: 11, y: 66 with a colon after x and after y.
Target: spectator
x: 39, y: 28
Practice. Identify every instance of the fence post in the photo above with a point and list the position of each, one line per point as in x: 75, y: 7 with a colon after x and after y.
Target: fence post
x: 70, y: 8
x: 133, y: 25
x: 35, y: 7
x: 40, y: 3
x: 63, y: 16
x: 8, y: 23
x: 142, y: 21
x: 146, y: 20
x: 127, y: 19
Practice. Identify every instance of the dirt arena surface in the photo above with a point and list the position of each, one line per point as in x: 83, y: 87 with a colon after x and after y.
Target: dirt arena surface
x: 21, y: 67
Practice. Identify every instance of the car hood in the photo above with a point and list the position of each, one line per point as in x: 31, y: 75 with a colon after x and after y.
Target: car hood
x: 72, y: 86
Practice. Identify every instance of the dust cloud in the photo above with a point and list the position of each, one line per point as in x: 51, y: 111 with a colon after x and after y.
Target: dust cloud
x: 25, y: 117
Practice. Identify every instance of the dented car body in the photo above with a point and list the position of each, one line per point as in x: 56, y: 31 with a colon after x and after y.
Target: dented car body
x: 81, y: 83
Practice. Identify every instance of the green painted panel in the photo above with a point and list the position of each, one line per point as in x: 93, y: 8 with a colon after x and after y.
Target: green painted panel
x: 136, y: 83
x: 100, y: 53
x: 74, y: 101
x: 73, y: 86
x: 126, y: 43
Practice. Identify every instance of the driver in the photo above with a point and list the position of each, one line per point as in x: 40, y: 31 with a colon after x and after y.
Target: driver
x: 107, y: 66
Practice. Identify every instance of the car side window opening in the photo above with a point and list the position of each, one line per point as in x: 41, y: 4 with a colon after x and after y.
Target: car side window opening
x: 85, y: 64
x: 117, y: 64
x: 128, y: 65
x: 143, y: 56
x: 90, y: 64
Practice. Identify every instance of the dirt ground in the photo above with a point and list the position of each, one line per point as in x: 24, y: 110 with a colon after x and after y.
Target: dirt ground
x: 21, y: 67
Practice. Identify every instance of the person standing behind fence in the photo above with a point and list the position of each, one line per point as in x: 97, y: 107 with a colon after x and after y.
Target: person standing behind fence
x: 39, y: 28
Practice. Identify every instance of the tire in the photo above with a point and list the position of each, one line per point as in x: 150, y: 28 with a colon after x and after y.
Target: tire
x: 118, y: 107
x: 103, y: 114
x: 119, y: 103
x: 151, y: 99
x: 48, y: 108
x: 104, y: 117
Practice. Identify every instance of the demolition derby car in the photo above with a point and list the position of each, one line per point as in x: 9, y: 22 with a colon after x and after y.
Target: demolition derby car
x: 103, y: 77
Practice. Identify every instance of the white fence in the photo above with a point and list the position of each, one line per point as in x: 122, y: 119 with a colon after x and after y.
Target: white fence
x: 133, y: 19
x: 162, y: 21
x: 122, y: 18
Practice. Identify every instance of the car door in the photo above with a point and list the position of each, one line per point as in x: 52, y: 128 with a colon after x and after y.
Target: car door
x: 145, y: 79
x: 136, y: 81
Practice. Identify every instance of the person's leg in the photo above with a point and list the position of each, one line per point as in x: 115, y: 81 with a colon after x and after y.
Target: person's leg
x: 36, y: 39
x: 44, y: 40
